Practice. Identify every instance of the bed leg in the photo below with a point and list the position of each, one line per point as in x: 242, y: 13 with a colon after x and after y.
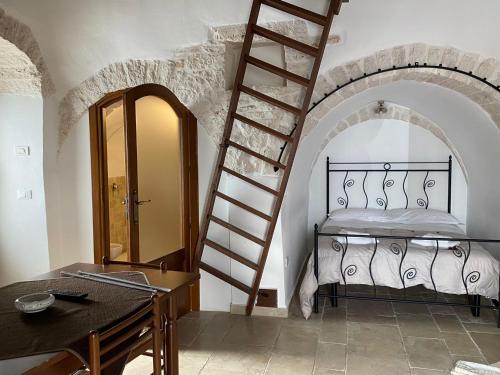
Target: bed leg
x: 316, y: 301
x: 476, y: 301
x: 498, y: 314
x: 496, y: 303
x: 333, y: 294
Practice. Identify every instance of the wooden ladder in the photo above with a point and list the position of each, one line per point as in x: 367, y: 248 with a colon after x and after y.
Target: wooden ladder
x: 300, y: 115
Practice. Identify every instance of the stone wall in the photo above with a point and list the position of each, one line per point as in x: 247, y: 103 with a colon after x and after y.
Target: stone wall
x: 196, y: 76
x: 477, y: 91
x: 18, y: 75
x: 23, y: 80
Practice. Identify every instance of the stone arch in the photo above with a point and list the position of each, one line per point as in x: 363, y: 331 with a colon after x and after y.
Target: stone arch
x: 487, y: 97
x: 20, y: 35
x: 197, y: 87
x: 394, y: 112
x: 196, y: 75
x: 188, y: 79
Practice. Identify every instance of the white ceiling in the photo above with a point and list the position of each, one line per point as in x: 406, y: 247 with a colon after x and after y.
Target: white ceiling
x: 78, y: 38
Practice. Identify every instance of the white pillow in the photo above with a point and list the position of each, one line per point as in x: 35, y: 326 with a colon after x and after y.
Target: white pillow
x: 432, y: 243
x: 422, y: 216
x: 355, y: 240
x: 360, y: 214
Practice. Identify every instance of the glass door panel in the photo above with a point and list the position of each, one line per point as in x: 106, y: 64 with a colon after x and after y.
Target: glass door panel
x: 114, y: 131
x: 159, y: 196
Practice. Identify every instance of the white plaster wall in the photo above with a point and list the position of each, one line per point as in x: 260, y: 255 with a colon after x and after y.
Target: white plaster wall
x: 91, y: 35
x: 214, y: 294
x: 273, y: 273
x: 473, y: 133
x: 23, y: 229
x: 370, y: 26
x: 72, y: 241
x: 379, y: 141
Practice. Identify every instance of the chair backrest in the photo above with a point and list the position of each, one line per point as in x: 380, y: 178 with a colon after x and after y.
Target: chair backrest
x: 162, y: 266
x: 113, y: 346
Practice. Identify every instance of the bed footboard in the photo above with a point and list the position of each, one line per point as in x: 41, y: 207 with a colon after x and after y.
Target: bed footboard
x: 399, y: 248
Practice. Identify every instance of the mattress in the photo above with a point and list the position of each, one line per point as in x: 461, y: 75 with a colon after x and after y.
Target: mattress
x: 481, y: 271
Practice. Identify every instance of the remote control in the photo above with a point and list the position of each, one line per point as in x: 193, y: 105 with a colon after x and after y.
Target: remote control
x: 68, y: 294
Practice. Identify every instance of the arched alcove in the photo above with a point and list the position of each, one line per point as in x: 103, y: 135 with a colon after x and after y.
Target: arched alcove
x: 474, y: 76
x: 467, y: 126
x: 386, y: 140
x: 394, y: 112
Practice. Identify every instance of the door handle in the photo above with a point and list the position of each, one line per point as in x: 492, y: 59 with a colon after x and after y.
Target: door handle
x: 138, y: 203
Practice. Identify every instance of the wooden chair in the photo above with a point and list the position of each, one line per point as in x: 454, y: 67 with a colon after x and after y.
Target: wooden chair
x: 126, y: 340
x: 162, y: 266
x: 137, y: 333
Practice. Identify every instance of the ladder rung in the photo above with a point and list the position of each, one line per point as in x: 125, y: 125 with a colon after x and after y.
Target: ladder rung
x: 296, y: 11
x: 256, y: 154
x: 277, y: 70
x: 237, y: 230
x: 281, y: 39
x: 250, y: 181
x: 231, y: 254
x: 264, y: 128
x: 226, y: 278
x: 243, y: 206
x: 270, y: 100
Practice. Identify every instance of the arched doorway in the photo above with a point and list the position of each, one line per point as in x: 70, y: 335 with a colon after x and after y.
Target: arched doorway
x: 144, y: 177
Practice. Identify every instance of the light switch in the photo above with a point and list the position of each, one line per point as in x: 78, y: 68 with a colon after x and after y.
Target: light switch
x: 24, y: 194
x: 22, y: 150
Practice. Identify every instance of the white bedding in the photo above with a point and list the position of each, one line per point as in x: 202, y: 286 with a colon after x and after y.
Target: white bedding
x: 481, y: 270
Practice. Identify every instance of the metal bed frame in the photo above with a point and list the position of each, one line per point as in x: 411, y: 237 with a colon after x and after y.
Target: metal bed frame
x: 400, y: 245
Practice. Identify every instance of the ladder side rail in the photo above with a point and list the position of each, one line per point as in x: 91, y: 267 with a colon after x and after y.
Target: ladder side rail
x: 333, y: 8
x: 233, y: 105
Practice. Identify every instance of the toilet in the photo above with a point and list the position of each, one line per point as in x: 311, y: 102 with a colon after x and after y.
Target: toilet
x: 115, y: 250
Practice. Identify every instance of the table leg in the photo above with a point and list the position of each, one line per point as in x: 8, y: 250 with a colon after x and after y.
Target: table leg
x: 157, y: 337
x: 171, y: 346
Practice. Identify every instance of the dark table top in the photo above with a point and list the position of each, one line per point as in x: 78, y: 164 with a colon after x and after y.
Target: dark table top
x: 165, y: 279
x: 65, y: 325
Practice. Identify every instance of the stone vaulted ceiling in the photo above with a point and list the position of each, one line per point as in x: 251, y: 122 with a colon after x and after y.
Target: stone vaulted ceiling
x: 19, y: 46
x: 18, y: 75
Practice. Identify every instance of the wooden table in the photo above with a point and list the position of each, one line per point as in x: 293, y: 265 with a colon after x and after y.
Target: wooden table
x: 174, y: 280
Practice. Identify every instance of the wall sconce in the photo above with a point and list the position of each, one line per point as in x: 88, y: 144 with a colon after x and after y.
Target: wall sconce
x: 381, y: 108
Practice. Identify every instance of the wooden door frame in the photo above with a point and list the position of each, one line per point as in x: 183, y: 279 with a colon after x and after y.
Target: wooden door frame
x: 189, y: 141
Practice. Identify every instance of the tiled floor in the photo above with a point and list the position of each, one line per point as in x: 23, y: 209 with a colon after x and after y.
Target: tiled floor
x: 357, y: 338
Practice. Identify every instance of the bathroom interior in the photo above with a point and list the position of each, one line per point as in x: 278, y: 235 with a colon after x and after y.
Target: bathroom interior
x: 157, y: 198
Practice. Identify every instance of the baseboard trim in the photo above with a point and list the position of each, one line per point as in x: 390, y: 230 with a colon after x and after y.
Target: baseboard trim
x: 277, y: 312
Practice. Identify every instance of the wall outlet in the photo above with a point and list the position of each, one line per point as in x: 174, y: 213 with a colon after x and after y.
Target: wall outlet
x: 22, y: 150
x: 24, y: 194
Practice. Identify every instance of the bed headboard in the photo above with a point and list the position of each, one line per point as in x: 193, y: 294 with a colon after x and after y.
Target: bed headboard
x: 387, y: 171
